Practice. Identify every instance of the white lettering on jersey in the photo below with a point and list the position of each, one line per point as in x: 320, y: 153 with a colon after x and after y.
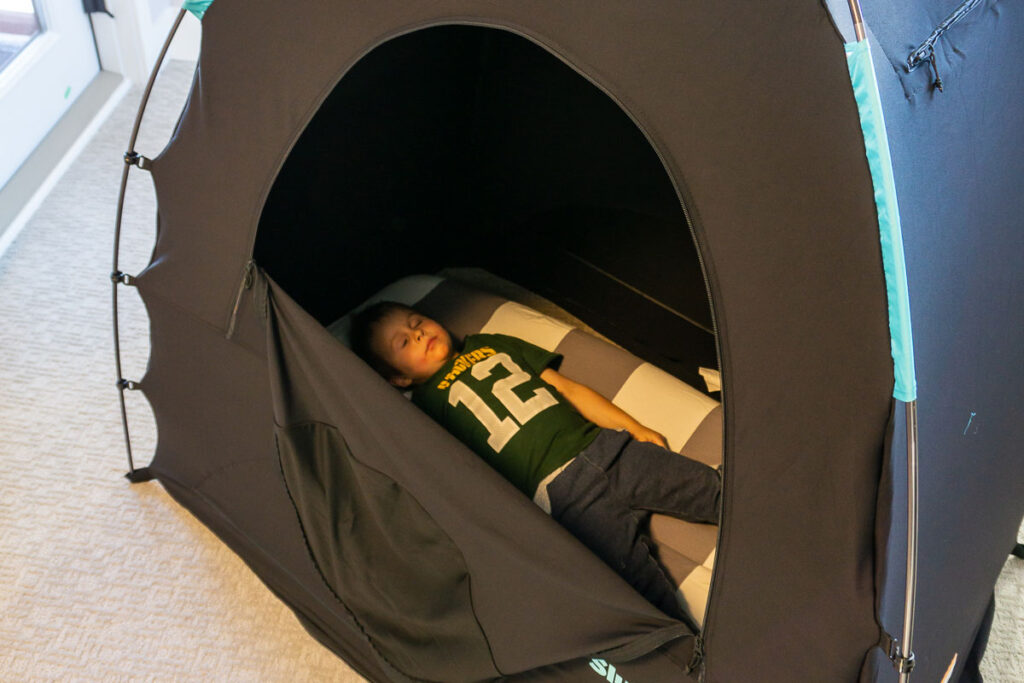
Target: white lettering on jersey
x: 501, y: 430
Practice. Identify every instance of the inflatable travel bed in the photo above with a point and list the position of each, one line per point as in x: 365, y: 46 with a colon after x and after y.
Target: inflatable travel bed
x: 690, y: 420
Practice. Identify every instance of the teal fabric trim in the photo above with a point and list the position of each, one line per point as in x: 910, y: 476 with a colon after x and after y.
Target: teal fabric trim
x: 197, y: 7
x: 876, y: 142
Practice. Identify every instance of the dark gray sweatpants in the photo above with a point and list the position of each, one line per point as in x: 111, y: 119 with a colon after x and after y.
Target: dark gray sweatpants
x: 606, y: 495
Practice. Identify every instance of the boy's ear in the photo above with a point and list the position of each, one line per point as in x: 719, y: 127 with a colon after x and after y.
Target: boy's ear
x: 400, y: 381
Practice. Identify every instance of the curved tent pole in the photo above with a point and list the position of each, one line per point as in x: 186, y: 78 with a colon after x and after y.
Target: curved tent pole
x: 132, y: 158
x: 905, y: 660
x: 858, y: 20
x: 862, y: 74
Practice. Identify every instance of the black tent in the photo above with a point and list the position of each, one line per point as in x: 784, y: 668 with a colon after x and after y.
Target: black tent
x: 698, y: 179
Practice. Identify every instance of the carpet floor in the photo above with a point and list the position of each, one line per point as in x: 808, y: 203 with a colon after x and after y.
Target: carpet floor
x: 102, y: 580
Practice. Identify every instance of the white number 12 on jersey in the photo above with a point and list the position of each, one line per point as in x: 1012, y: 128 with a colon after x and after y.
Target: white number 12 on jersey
x: 501, y: 429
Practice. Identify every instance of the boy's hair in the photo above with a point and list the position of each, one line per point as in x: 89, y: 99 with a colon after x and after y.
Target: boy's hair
x: 364, y: 324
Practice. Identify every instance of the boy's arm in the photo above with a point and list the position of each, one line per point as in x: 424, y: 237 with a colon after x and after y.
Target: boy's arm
x: 598, y: 409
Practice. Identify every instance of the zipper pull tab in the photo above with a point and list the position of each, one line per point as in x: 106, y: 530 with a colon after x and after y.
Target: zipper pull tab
x: 697, y: 658
x: 247, y: 279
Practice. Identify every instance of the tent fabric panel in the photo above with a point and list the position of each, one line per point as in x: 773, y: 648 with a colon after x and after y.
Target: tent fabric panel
x: 898, y: 29
x: 209, y: 397
x: 518, y: 570
x: 215, y: 455
x: 748, y: 140
x: 662, y: 665
x: 801, y: 430
x: 214, y: 419
x: 956, y: 159
x: 292, y: 589
x: 384, y: 557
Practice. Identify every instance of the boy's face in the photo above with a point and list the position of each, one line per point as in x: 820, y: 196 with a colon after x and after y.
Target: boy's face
x: 412, y: 344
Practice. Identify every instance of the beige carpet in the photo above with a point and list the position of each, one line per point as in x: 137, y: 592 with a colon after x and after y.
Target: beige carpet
x: 100, y: 580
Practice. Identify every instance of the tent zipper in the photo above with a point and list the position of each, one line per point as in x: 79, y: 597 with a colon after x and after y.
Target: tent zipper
x: 247, y: 280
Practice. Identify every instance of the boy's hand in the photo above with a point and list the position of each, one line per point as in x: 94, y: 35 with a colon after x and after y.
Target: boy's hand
x: 644, y: 434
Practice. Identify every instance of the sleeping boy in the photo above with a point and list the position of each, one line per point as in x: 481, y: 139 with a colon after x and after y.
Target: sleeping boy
x: 594, y: 468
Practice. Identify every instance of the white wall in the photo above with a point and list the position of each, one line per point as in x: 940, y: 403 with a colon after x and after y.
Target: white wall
x: 186, y: 41
x: 130, y: 43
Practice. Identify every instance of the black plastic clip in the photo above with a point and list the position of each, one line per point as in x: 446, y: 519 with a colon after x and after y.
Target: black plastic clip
x: 118, y: 277
x: 123, y: 384
x: 136, y: 159
x: 902, y: 664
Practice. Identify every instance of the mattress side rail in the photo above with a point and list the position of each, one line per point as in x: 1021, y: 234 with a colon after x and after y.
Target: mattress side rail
x: 117, y: 277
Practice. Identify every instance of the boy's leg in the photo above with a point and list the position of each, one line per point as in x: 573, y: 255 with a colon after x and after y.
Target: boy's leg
x: 657, y: 480
x: 584, y: 502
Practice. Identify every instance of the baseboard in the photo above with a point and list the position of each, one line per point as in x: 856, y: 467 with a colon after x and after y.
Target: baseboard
x: 28, y: 187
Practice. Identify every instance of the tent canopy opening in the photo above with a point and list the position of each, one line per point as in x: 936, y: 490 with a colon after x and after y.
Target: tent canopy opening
x: 471, y: 146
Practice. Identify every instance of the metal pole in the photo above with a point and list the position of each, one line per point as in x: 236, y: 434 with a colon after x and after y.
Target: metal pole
x: 911, y: 580
x: 116, y: 275
x: 858, y: 20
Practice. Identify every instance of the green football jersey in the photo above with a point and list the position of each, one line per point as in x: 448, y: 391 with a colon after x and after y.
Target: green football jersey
x: 491, y: 397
